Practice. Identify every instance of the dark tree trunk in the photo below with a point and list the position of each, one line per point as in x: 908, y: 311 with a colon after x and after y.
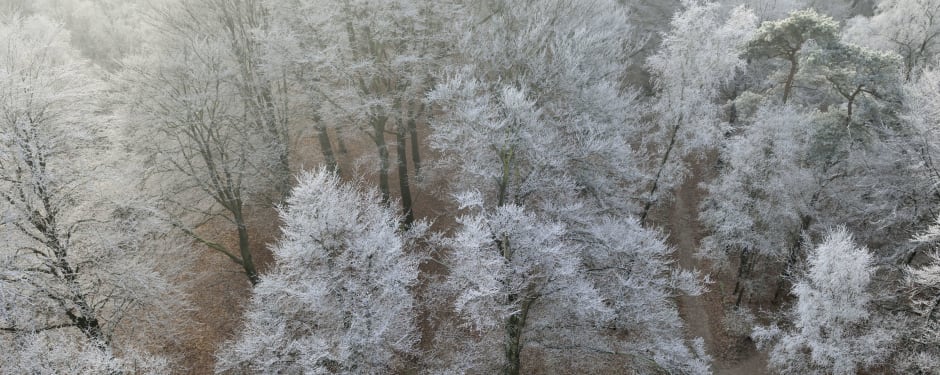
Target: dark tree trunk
x: 378, y: 127
x: 244, y: 246
x: 507, y: 158
x: 743, y: 271
x: 278, y: 133
x: 662, y: 167
x: 793, y: 254
x: 850, y: 105
x: 341, y: 142
x: 82, y: 315
x: 326, y: 147
x: 515, y: 326
x: 788, y: 85
x: 415, y: 145
x: 87, y: 322
x: 283, y: 177
x: 401, y: 155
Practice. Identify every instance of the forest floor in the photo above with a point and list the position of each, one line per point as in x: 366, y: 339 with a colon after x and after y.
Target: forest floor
x: 219, y: 290
x: 703, y: 314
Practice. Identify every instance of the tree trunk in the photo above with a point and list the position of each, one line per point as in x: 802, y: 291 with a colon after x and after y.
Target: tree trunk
x: 850, y: 106
x: 283, y: 177
x: 794, y: 254
x: 341, y: 142
x: 794, y: 66
x: 848, y: 115
x: 415, y: 145
x: 84, y: 318
x: 82, y: 315
x: 507, y: 158
x: 910, y: 258
x: 662, y: 166
x: 244, y: 246
x: 273, y: 126
x: 87, y: 322
x: 401, y: 155
x: 515, y: 326
x: 378, y: 126
x: 743, y: 270
x: 326, y: 147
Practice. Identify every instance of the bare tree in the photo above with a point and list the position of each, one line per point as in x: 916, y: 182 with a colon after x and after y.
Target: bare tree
x: 203, y: 154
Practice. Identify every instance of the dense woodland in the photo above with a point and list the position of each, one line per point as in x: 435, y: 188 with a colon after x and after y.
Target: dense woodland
x: 464, y: 186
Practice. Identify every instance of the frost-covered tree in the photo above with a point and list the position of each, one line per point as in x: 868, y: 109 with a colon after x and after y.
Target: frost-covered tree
x: 293, y: 46
x: 784, y: 40
x: 537, y: 111
x: 790, y: 174
x: 921, y: 339
x: 188, y: 116
x: 231, y: 28
x: 643, y: 302
x: 909, y: 27
x: 767, y: 10
x: 521, y: 283
x: 56, y: 353
x: 506, y: 263
x: 525, y: 154
x: 843, y: 134
x: 765, y: 196
x: 339, y: 298
x: 699, y: 55
x: 103, y: 31
x: 828, y: 71
x: 925, y: 292
x: 834, y: 329
x: 859, y: 77
x: 922, y: 114
x: 81, y: 283
x: 923, y: 281
x: 778, y: 9
x: 366, y: 65
x: 508, y: 121
x: 539, y: 127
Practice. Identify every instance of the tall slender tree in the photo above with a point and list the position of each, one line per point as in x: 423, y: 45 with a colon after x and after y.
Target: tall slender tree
x: 699, y: 55
x: 202, y: 154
